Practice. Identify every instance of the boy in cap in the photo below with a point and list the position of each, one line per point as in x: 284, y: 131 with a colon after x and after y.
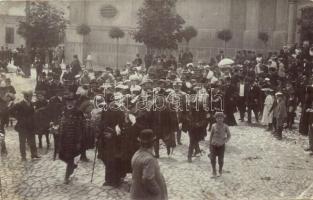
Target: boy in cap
x: 220, y: 135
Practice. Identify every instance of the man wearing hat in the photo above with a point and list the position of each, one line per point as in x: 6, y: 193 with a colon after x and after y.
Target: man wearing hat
x: 25, y: 126
x: 3, y: 113
x: 109, y: 141
x: 42, y: 118
x: 72, y: 127
x: 148, y: 181
x: 279, y: 114
x: 75, y: 66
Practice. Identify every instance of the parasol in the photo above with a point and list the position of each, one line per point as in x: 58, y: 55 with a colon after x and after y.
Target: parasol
x: 226, y: 62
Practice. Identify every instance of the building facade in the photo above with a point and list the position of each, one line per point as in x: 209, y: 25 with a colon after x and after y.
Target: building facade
x: 245, y: 18
x: 10, y: 15
x: 8, y: 31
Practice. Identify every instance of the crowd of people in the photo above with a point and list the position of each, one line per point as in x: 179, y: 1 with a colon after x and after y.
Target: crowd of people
x: 158, y: 99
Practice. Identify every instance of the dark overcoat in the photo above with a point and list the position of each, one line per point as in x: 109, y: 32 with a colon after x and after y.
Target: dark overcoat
x: 72, y: 127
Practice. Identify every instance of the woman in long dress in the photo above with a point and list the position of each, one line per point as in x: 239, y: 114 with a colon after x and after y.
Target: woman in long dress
x: 267, y: 118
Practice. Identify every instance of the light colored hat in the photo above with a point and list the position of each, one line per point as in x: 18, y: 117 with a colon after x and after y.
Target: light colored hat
x: 118, y: 96
x: 206, y: 66
x: 210, y: 75
x: 189, y: 65
x: 214, y: 80
x: 89, y: 58
x: 136, y: 88
x: 278, y: 94
x: 121, y: 86
x: 134, y: 77
x: 188, y: 85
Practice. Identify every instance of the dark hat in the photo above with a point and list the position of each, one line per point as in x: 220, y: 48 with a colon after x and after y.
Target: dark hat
x: 40, y: 92
x: 146, y: 136
x: 69, y: 96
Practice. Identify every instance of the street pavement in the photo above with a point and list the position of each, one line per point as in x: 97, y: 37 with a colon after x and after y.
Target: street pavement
x: 256, y: 167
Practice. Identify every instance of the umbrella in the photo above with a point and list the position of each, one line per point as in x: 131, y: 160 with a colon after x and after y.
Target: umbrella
x: 226, y: 62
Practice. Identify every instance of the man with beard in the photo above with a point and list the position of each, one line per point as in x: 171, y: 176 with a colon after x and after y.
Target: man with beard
x: 72, y: 127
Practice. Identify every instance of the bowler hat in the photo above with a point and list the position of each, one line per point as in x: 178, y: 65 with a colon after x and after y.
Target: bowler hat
x: 146, y: 136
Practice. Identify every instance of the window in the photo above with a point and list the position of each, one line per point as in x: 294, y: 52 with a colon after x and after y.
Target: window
x: 9, y: 35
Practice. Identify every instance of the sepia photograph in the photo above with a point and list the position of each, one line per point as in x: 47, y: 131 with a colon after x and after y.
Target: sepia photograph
x: 156, y: 99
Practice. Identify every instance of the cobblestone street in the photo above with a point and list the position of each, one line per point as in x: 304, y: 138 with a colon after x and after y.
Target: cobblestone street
x: 256, y: 167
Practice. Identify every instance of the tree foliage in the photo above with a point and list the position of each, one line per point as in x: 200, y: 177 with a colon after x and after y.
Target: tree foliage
x: 83, y: 29
x: 45, y: 26
x: 116, y: 33
x: 189, y: 32
x: 225, y: 35
x: 159, y: 26
x: 264, y: 37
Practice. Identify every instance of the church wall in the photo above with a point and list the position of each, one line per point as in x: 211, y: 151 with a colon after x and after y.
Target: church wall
x: 245, y: 18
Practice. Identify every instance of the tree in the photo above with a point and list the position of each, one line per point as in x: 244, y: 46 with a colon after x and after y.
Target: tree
x: 44, y: 26
x: 225, y: 35
x: 159, y: 26
x: 188, y: 33
x: 116, y: 33
x: 264, y: 37
x: 83, y: 29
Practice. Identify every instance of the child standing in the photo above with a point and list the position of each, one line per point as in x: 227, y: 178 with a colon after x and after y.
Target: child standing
x: 220, y: 135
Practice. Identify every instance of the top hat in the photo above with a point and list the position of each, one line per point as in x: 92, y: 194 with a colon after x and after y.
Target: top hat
x: 146, y: 136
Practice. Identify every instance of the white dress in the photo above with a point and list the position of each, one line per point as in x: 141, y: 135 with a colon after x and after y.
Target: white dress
x: 268, y: 103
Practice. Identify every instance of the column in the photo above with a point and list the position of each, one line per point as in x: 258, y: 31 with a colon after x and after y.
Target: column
x: 252, y: 24
x: 281, y: 25
x: 292, y: 14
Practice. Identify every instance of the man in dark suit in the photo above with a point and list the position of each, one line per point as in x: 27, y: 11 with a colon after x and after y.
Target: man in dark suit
x: 253, y: 101
x: 220, y: 56
x: 25, y: 126
x: 3, y: 114
x: 242, y: 89
x: 75, y: 66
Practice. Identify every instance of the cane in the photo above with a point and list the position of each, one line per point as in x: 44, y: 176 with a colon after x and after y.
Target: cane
x: 94, y: 164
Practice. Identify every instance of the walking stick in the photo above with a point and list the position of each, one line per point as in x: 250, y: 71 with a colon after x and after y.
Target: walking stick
x: 94, y: 163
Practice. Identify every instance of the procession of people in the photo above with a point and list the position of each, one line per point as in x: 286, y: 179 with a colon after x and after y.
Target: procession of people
x: 124, y: 113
